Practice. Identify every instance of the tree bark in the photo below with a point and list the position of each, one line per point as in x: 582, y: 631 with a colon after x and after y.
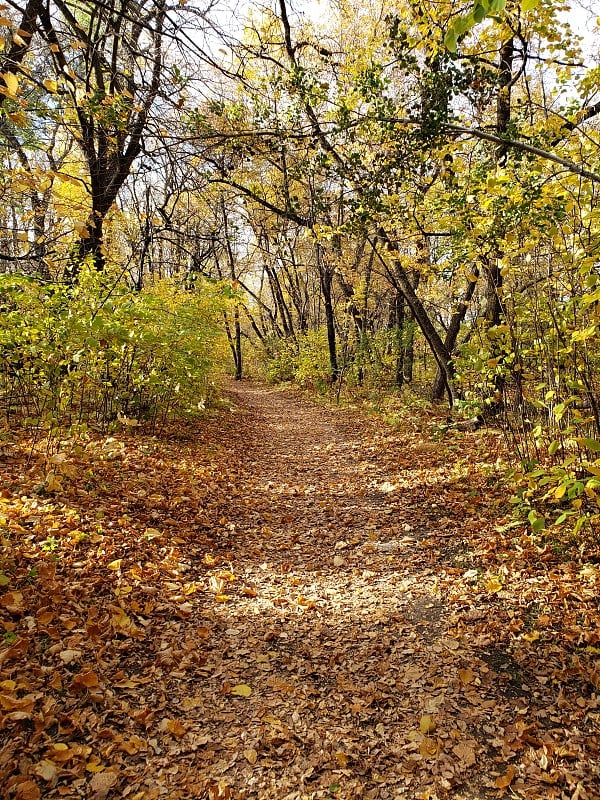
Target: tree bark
x: 456, y: 320
x: 400, y: 279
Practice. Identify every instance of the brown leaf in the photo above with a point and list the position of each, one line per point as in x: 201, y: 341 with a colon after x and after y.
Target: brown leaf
x: 46, y: 770
x: 504, y: 781
x: 27, y: 790
x: 101, y: 784
x: 85, y: 680
x: 465, y: 753
x: 13, y: 602
x: 176, y: 728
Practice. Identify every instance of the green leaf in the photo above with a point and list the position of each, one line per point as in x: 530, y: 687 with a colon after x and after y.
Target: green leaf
x: 589, y: 444
x: 464, y: 23
x: 479, y: 12
x: 553, y: 448
x: 450, y: 40
x: 560, y: 519
x: 529, y: 5
x: 538, y: 525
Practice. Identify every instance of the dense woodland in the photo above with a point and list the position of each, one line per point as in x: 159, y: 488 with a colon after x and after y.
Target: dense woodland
x: 350, y: 196
x: 372, y: 572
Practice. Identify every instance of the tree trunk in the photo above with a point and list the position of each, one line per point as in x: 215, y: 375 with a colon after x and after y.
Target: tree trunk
x: 325, y: 280
x: 400, y: 279
x: 456, y: 320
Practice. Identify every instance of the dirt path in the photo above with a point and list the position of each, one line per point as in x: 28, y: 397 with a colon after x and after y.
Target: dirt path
x: 291, y: 602
x: 375, y: 669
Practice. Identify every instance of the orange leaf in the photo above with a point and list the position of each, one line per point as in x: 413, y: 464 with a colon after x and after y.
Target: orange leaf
x: 84, y: 680
x: 504, y: 781
x: 60, y: 752
x: 176, y: 728
x: 27, y: 790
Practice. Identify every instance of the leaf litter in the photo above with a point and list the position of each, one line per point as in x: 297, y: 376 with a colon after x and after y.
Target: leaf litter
x: 284, y: 600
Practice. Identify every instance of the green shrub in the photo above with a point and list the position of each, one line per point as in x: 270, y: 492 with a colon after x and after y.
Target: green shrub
x: 99, y: 351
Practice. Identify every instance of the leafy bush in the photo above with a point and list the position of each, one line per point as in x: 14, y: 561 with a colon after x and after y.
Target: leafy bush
x: 98, y: 351
x: 312, y: 365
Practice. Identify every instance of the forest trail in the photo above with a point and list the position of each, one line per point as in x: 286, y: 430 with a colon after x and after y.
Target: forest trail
x: 291, y: 601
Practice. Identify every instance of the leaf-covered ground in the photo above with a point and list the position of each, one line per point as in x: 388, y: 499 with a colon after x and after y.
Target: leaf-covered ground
x: 283, y: 601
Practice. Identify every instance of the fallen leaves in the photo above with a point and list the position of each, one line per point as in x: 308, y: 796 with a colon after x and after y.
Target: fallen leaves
x: 287, y: 596
x: 504, y: 781
x: 101, y: 784
x: 241, y: 690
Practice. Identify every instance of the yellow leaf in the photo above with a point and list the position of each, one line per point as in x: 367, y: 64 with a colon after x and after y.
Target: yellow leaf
x: 493, y: 585
x: 241, y: 690
x: 11, y: 82
x: 82, y: 229
x: 53, y: 483
x: 271, y: 720
x: 51, y: 85
x: 533, y: 636
x: 222, y: 598
x: 427, y: 723
x: 250, y: 755
x: 123, y: 623
x: 466, y: 675
x: 115, y: 565
x: 94, y: 766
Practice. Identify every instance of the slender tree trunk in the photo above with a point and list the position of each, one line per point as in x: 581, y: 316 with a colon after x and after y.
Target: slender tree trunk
x: 456, y: 320
x: 401, y: 281
x: 235, y: 340
x: 409, y: 336
x: 325, y: 281
x: 399, y: 320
